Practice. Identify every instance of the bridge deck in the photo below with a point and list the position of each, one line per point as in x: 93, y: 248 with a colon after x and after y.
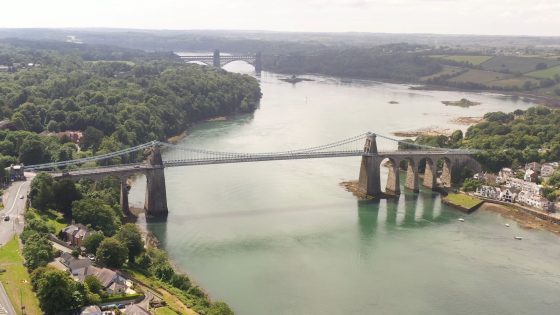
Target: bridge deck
x: 139, y: 168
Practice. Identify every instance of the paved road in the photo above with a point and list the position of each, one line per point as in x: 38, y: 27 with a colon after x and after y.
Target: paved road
x: 14, y: 208
x: 6, y: 307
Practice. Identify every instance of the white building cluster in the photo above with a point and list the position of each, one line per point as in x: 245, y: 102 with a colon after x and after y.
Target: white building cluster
x: 507, y: 188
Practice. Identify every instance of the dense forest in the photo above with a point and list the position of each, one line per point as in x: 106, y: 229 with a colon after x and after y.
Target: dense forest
x: 117, y: 97
x: 508, y: 139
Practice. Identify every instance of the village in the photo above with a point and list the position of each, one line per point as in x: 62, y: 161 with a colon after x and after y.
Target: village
x: 122, y: 295
x: 524, y: 186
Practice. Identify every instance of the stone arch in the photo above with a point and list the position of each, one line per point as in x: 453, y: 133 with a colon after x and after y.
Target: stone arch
x: 445, y: 178
x: 393, y: 186
x: 430, y: 172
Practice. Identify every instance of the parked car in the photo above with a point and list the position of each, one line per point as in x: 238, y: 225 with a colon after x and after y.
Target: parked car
x: 21, y: 197
x: 91, y: 257
x: 7, y: 218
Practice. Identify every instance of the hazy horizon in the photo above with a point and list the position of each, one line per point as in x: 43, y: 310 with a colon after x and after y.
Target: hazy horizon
x: 445, y: 17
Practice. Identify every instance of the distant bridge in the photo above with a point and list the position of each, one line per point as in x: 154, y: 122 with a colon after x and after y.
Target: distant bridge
x: 452, y: 160
x: 219, y: 61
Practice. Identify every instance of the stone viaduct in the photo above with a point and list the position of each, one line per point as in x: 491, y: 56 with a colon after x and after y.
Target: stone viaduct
x: 372, y: 160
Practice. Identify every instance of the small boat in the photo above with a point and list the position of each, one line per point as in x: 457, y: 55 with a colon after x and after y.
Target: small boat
x: 507, y: 224
x: 518, y: 238
x: 461, y: 220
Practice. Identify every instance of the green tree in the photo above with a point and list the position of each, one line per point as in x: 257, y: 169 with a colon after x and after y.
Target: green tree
x: 93, y: 284
x: 56, y: 292
x: 219, y: 308
x: 95, y: 213
x: 131, y: 237
x: 92, y: 138
x: 91, y: 243
x: 112, y: 253
x: 471, y: 184
x: 33, y: 152
x: 37, y: 251
x: 65, y: 193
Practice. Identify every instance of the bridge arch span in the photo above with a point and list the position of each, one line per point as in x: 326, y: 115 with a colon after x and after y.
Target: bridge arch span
x: 393, y: 186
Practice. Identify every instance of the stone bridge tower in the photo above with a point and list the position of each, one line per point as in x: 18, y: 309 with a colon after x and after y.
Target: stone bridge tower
x: 369, y: 181
x: 156, y: 197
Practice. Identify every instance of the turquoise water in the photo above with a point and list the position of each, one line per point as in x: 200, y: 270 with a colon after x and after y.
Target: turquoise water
x: 284, y: 237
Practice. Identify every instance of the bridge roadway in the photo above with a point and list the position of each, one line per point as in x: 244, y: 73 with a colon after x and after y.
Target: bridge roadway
x: 130, y: 169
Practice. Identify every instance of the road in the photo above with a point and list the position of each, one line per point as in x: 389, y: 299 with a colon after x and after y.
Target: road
x: 14, y: 208
x: 6, y: 307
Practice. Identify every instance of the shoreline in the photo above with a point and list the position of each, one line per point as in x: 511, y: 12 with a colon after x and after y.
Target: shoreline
x: 524, y: 219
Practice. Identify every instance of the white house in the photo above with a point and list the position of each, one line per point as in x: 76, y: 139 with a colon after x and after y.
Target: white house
x: 507, y: 196
x: 488, y: 192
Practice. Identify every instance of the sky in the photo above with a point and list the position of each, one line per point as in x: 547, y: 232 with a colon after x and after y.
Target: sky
x: 488, y: 17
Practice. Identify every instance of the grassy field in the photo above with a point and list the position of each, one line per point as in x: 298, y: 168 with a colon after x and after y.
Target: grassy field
x: 518, y: 81
x: 464, y: 201
x: 516, y: 64
x: 447, y: 70
x: 164, y: 311
x: 16, y: 279
x: 549, y: 73
x: 480, y: 76
x: 474, y: 60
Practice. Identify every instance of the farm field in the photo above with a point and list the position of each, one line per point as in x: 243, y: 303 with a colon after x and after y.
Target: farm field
x: 480, y: 76
x: 512, y: 82
x: 447, y: 70
x: 549, y: 73
x: 474, y: 60
x: 516, y: 64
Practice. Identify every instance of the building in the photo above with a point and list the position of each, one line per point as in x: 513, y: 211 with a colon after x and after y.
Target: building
x: 548, y: 169
x: 489, y: 192
x: 91, y: 310
x: 75, y: 234
x: 535, y: 201
x: 533, y: 166
x: 521, y: 185
x: 110, y: 280
x: 16, y: 172
x: 73, y: 264
x: 507, y: 195
x: 531, y: 176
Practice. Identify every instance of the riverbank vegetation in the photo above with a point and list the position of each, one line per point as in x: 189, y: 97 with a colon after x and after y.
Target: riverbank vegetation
x: 116, y: 246
x: 508, y: 139
x: 115, y: 98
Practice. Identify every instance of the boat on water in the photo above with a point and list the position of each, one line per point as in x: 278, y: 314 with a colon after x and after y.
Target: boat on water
x: 518, y: 238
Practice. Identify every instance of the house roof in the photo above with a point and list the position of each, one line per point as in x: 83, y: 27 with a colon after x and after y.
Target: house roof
x: 74, y: 263
x: 92, y: 309
x: 105, y: 276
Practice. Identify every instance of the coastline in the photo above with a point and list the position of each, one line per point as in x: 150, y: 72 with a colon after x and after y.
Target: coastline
x: 524, y: 219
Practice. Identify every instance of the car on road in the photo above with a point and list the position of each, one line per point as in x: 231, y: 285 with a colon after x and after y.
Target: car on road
x: 21, y: 197
x: 7, y: 218
x: 91, y: 257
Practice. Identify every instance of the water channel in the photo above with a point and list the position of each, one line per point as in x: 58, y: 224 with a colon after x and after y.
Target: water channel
x: 284, y: 237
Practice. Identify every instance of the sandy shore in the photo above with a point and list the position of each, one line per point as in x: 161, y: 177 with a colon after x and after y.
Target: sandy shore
x: 424, y: 132
x: 467, y: 120
x: 524, y: 219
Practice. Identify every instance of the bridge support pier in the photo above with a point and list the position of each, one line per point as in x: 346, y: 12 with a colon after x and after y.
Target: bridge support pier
x: 156, y: 197
x: 412, y: 176
x: 124, y: 196
x: 369, y: 182
x: 216, y: 62
x: 430, y: 175
x: 446, y: 173
x: 393, y: 186
x: 258, y: 63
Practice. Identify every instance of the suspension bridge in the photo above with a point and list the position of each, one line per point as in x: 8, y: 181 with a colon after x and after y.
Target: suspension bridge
x: 364, y: 145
